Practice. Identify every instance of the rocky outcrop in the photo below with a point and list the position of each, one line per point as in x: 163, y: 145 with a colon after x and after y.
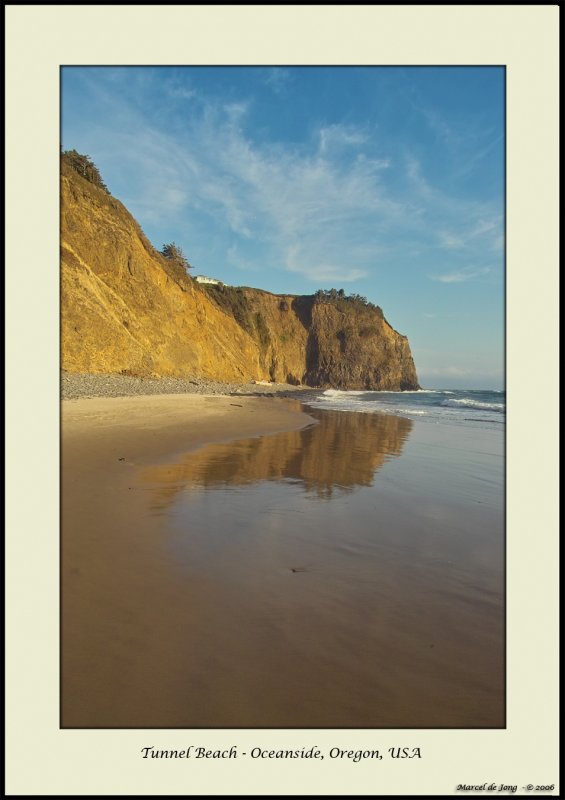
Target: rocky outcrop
x: 339, y: 342
x: 126, y: 309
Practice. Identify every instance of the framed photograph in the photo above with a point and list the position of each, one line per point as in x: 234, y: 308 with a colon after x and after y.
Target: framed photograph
x: 286, y: 526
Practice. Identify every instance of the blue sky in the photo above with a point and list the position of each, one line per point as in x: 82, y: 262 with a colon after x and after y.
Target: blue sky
x: 385, y: 181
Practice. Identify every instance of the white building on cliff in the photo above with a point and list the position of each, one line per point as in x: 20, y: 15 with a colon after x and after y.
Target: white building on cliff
x: 206, y: 279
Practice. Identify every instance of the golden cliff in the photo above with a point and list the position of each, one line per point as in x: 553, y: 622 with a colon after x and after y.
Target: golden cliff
x: 125, y: 309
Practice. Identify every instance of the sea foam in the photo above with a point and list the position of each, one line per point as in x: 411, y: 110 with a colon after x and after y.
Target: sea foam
x: 467, y: 403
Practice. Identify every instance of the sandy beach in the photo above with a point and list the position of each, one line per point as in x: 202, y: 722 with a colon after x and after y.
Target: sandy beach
x: 237, y: 562
x: 106, y: 559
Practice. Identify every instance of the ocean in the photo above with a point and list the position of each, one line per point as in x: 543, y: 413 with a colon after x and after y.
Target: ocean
x: 478, y: 408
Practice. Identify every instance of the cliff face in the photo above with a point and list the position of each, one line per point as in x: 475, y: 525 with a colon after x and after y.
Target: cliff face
x: 125, y: 309
x: 121, y: 311
x: 358, y: 350
x: 328, y: 343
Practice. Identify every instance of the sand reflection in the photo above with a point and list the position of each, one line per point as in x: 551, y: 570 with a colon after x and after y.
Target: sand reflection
x: 232, y: 592
x: 339, y: 453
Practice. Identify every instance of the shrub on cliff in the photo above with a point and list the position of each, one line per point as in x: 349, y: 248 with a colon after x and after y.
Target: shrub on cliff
x: 84, y: 166
x: 343, y: 302
x: 175, y: 254
x: 176, y: 265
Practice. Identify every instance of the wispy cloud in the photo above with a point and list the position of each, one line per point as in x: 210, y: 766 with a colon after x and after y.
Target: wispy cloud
x: 466, y: 139
x: 317, y: 216
x: 439, y: 125
x: 485, y: 226
x: 485, y: 232
x: 295, y: 180
x: 235, y: 111
x: 277, y: 78
x: 298, y: 261
x: 332, y: 136
x: 471, y: 162
x: 461, y: 276
x: 179, y: 89
x: 335, y: 207
x: 466, y: 228
x: 450, y: 241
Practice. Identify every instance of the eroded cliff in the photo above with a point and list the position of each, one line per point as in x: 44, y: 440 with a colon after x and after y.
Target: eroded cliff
x: 125, y: 309
x: 321, y: 340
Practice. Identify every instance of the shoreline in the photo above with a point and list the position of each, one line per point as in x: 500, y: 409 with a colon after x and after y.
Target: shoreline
x: 150, y: 425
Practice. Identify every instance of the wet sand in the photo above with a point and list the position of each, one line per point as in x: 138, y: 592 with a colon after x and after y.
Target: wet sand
x: 118, y: 595
x: 344, y: 574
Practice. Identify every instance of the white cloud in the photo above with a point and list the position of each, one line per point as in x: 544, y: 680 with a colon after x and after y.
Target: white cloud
x: 326, y: 215
x: 485, y: 226
x: 439, y: 126
x: 460, y: 276
x: 450, y: 241
x: 298, y: 261
x: 471, y: 162
x: 480, y: 230
x: 235, y: 111
x: 180, y: 92
x: 277, y: 78
x: 335, y: 136
x: 451, y: 222
x: 327, y: 272
x: 333, y: 212
x: 309, y: 211
x: 297, y: 202
x: 468, y: 141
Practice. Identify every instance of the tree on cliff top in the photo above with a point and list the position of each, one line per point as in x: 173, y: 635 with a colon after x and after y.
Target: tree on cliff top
x: 175, y: 254
x: 85, y: 167
x: 345, y: 302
